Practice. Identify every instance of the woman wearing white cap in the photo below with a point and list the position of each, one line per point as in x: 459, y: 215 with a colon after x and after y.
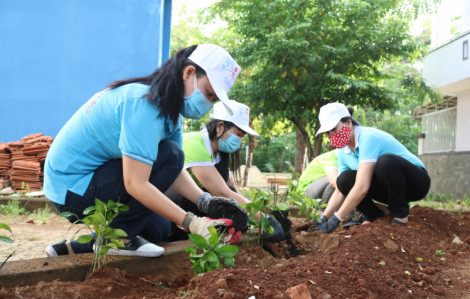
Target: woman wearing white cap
x: 372, y: 164
x: 125, y: 143
x: 207, y: 159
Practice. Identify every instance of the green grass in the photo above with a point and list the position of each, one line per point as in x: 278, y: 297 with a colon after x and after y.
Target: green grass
x: 13, y: 208
x: 41, y: 216
x: 443, y: 202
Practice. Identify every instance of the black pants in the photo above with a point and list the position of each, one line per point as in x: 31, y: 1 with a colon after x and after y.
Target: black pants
x: 395, y: 182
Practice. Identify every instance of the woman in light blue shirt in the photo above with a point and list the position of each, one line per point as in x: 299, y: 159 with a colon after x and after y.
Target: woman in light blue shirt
x: 372, y: 164
x: 125, y: 143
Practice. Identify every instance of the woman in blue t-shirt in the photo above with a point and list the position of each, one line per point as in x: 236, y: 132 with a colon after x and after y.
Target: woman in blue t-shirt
x: 372, y: 164
x: 125, y: 143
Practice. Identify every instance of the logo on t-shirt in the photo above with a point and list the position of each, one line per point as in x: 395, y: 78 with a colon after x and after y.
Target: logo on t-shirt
x: 92, y: 101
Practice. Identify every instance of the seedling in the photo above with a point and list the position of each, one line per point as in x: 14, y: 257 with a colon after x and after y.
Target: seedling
x: 382, y: 263
x: 439, y: 252
x: 307, y: 206
x: 6, y: 239
x: 97, y: 221
x: 206, y: 256
x: 260, y: 203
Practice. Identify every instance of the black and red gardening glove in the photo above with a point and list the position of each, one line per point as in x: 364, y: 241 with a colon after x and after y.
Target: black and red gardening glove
x: 222, y: 208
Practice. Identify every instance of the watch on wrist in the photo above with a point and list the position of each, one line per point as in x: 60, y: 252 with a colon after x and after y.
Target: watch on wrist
x: 188, y: 218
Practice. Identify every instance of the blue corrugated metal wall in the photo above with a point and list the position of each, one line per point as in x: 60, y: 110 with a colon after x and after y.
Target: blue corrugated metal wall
x: 55, y: 54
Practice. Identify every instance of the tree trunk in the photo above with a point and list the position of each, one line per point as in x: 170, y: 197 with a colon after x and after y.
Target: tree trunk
x: 299, y: 162
x: 252, y: 143
x: 318, y: 144
x: 282, y: 161
x: 310, y: 153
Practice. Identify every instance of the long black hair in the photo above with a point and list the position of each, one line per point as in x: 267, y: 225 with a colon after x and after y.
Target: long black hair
x: 227, y: 161
x: 166, y: 83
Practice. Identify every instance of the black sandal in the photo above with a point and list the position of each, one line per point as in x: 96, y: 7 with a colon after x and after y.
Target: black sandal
x: 395, y: 221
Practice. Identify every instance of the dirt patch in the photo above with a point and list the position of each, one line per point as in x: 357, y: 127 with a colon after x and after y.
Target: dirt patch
x: 369, y: 261
x: 31, y: 237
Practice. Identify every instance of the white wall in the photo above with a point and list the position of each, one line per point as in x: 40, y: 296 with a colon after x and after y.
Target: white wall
x: 441, y: 22
x: 444, y: 66
x: 463, y: 121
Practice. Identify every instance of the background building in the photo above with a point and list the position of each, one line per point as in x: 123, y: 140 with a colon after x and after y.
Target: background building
x: 444, y: 145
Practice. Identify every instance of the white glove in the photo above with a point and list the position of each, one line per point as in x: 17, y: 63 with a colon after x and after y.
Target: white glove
x: 200, y: 225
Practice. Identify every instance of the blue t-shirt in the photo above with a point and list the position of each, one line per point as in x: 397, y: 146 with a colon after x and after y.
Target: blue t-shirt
x: 112, y: 123
x: 372, y: 143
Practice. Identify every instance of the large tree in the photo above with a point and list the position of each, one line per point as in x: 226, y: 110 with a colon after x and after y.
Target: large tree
x: 303, y: 54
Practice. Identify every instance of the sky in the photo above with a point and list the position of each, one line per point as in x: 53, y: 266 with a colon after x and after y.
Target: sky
x: 190, y: 4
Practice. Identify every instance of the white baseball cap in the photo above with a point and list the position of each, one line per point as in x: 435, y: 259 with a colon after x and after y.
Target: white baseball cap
x: 330, y: 115
x: 240, y: 116
x: 220, y: 67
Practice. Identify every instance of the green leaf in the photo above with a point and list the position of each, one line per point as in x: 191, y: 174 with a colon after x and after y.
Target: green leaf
x: 282, y: 206
x: 111, y: 205
x: 229, y: 261
x: 196, y: 255
x: 198, y: 240
x: 212, y: 258
x: 5, y: 227
x: 5, y: 239
x: 202, y: 263
x: 100, y: 206
x: 227, y: 250
x: 67, y: 214
x: 119, y: 233
x: 83, y: 239
x: 88, y: 211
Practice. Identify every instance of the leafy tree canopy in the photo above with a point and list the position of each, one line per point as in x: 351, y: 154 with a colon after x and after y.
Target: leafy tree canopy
x: 302, y: 54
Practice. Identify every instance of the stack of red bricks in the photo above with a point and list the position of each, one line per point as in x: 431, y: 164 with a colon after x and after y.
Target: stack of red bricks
x: 5, y: 165
x: 22, y: 162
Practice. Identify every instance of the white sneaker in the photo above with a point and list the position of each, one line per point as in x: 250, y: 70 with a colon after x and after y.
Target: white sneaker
x: 138, y: 246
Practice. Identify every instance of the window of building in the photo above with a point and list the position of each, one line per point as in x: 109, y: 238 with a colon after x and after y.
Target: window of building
x: 439, y: 127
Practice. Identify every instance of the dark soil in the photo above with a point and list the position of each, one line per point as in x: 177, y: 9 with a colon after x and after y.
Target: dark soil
x: 368, y: 261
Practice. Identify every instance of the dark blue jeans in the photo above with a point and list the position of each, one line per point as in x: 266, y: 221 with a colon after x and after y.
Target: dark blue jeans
x: 395, y: 182
x: 107, y: 183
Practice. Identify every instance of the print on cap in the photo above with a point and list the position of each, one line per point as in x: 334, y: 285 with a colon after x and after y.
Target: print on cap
x: 232, y: 69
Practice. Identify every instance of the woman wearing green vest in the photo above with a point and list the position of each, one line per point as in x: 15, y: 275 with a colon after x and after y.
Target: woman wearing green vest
x: 319, y: 178
x: 207, y: 156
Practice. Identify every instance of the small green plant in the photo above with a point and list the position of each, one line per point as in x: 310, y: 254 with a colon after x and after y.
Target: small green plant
x: 24, y: 188
x: 4, y: 226
x: 307, y: 206
x: 261, y: 203
x: 42, y: 215
x: 184, y: 294
x: 5, y: 238
x: 439, y: 252
x: 206, y: 256
x: 12, y: 208
x: 97, y: 221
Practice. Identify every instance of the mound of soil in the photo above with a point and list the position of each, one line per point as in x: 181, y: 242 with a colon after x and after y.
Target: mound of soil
x: 429, y: 257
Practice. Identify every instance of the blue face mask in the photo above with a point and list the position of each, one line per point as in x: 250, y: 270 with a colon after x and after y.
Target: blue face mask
x: 231, y: 145
x: 196, y: 105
